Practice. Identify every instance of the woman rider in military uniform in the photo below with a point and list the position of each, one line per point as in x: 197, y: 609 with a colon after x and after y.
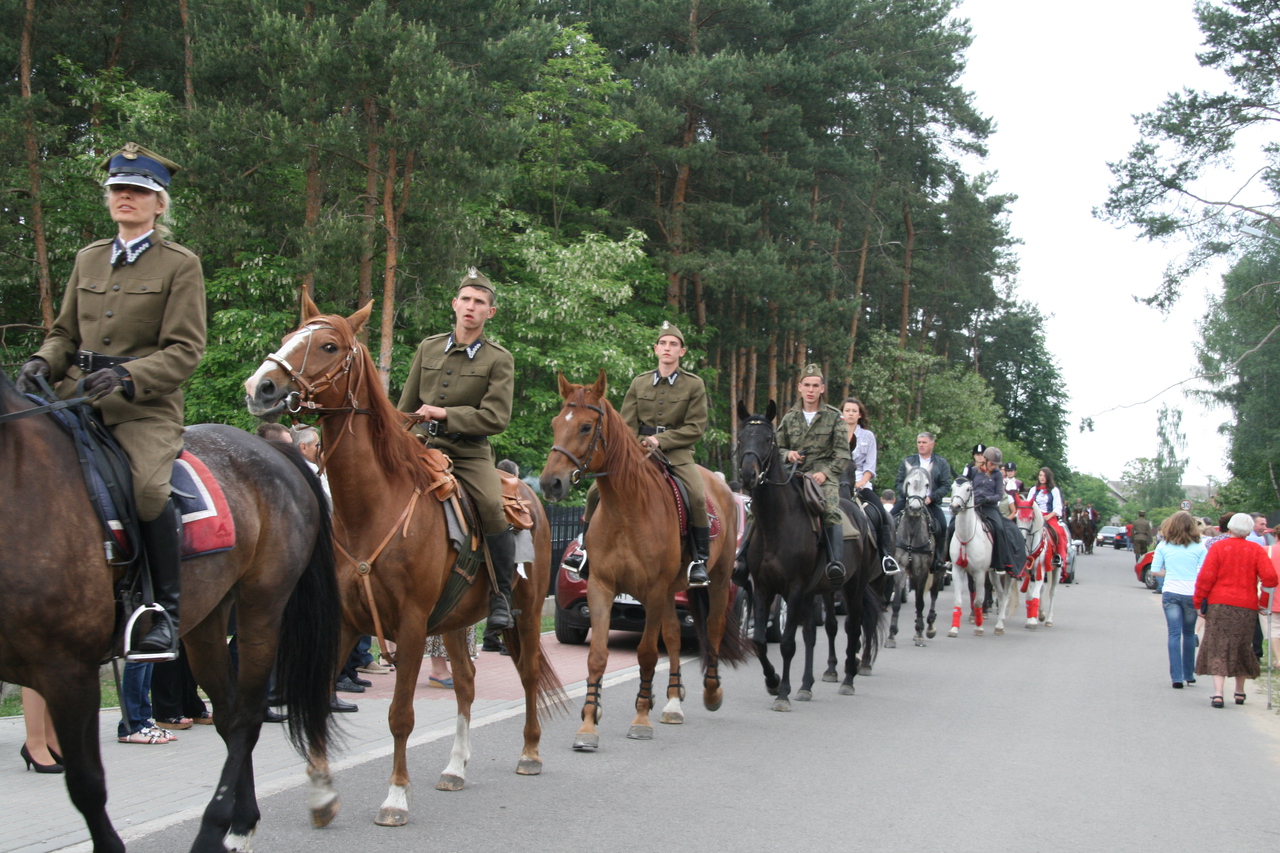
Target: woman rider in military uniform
x: 132, y: 326
x: 666, y: 409
x: 463, y: 383
x: 814, y: 435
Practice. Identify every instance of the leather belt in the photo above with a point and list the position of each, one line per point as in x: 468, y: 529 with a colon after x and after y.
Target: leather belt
x: 90, y: 362
x: 648, y: 430
x: 433, y: 428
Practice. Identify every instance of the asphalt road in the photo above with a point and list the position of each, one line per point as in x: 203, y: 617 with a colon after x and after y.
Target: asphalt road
x: 1063, y: 739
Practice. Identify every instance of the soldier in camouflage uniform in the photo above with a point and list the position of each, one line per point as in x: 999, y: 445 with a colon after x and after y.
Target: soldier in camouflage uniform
x: 814, y: 435
x: 132, y: 326
x: 463, y: 383
x: 666, y: 409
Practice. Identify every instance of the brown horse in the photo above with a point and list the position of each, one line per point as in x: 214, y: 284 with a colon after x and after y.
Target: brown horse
x: 1083, y: 528
x: 386, y: 518
x: 636, y: 547
x: 58, y: 612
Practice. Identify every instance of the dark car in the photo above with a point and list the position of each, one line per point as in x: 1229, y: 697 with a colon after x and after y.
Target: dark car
x: 573, y: 617
x: 1113, y: 536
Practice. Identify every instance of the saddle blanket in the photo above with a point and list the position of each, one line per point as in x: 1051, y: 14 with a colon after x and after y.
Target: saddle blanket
x: 207, y: 525
x: 682, y: 507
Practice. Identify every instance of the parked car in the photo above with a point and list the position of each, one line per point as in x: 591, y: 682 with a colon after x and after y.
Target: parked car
x: 573, y: 617
x: 1142, y: 569
x: 1113, y: 536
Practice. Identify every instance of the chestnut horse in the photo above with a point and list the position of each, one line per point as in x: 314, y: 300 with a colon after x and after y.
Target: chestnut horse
x: 58, y: 610
x: 386, y: 518
x: 635, y: 546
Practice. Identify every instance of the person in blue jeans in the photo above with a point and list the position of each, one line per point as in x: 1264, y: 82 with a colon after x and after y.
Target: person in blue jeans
x: 136, y: 725
x: 1178, y: 560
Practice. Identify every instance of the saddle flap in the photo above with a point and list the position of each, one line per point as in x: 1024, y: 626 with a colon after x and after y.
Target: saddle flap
x: 814, y: 500
x: 517, y: 510
x: 681, y: 495
x: 850, y: 529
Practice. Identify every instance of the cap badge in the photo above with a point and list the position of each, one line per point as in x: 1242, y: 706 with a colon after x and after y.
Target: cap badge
x: 130, y: 151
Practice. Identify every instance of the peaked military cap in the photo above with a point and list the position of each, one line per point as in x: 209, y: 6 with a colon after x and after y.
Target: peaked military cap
x: 136, y: 166
x: 475, y: 278
x: 813, y: 370
x: 669, y: 329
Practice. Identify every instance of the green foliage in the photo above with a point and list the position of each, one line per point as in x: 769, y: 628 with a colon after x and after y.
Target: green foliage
x: 1093, y: 490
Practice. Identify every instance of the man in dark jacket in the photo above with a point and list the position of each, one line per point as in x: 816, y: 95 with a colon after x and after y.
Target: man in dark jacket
x: 940, y: 478
x: 1009, y: 552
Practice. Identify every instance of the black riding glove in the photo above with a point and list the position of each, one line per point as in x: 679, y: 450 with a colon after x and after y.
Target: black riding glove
x: 27, y: 375
x: 102, y: 382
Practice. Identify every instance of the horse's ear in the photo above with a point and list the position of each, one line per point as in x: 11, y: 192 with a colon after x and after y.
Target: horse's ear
x: 566, y: 388
x: 743, y: 414
x: 772, y: 411
x: 358, y: 319
x: 309, y: 308
x: 601, y: 385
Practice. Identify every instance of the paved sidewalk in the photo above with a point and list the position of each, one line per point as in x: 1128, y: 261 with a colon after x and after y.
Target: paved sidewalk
x: 151, y: 787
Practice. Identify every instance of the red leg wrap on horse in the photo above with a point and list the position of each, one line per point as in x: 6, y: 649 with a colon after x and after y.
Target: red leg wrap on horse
x: 1033, y: 608
x: 955, y: 618
x: 977, y: 616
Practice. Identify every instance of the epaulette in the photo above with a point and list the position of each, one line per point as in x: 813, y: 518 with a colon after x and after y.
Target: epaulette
x: 178, y: 247
x: 97, y: 244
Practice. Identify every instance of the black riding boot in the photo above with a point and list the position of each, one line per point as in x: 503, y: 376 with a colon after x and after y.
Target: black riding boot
x: 741, y: 574
x: 502, y: 551
x: 835, y: 549
x: 577, y: 561
x: 162, y: 539
x: 887, y: 562
x: 701, y: 553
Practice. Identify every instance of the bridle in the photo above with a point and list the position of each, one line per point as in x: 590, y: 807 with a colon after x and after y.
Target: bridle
x: 580, y: 466
x: 765, y: 460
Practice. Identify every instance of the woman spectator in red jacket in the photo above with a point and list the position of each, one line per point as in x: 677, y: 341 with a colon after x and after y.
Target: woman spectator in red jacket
x: 1228, y: 581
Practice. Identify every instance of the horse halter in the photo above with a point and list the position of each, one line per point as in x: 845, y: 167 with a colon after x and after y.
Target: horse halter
x: 764, y: 461
x: 296, y: 401
x: 597, y: 437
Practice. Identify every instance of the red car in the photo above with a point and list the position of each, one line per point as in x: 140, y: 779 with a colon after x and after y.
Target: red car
x: 1142, y: 569
x: 573, y: 618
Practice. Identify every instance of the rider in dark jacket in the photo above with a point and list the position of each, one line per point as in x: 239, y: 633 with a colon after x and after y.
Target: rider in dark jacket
x: 1008, y: 547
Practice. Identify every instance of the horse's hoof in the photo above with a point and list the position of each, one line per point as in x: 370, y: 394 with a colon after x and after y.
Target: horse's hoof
x: 771, y: 689
x: 449, y: 782
x: 999, y: 631
x: 238, y: 843
x: 1041, y: 617
x: 972, y: 619
x: 931, y: 633
x: 890, y: 643
x: 1032, y: 624
x: 1048, y: 623
x: 324, y: 815
x: 587, y: 741
x: 782, y: 705
x: 712, y: 701
x: 671, y: 718
x: 846, y: 690
x: 640, y: 733
x: 977, y: 632
x: 392, y: 817
x: 919, y: 643
x: 830, y: 677
x: 954, y: 632
x: 529, y: 767
x: 864, y: 669
x: 804, y: 695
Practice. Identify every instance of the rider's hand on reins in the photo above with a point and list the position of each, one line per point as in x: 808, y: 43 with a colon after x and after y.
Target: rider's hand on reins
x: 27, y: 377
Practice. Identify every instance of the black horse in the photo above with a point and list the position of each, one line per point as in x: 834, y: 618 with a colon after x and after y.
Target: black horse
x: 785, y: 557
x: 58, y: 610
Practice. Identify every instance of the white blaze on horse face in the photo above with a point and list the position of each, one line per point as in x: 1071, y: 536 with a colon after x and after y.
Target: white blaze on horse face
x: 296, y: 345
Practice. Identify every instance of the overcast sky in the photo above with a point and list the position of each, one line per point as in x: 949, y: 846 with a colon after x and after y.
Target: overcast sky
x: 1062, y: 82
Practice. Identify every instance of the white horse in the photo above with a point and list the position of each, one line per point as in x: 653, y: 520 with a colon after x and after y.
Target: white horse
x: 1040, y: 569
x: 971, y: 550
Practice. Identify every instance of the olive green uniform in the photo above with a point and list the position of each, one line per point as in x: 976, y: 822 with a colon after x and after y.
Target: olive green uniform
x: 474, y: 385
x: 674, y: 410
x: 825, y: 446
x: 152, y: 310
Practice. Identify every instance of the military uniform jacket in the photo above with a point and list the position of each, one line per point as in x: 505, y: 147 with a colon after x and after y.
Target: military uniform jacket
x: 1142, y: 528
x: 680, y: 407
x: 474, y: 390
x: 824, y: 443
x: 152, y: 310
x: 939, y: 476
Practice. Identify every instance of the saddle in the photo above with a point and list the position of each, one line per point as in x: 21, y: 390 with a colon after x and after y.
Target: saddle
x: 681, y: 496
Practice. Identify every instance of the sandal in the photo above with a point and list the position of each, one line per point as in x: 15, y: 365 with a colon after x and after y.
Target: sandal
x: 176, y: 723
x: 151, y: 724
x: 1215, y: 701
x: 147, y: 735
x: 446, y: 683
x: 1239, y: 698
x: 205, y: 719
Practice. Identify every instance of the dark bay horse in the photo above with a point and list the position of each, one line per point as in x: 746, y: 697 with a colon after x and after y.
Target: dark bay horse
x: 396, y: 548
x: 57, y: 613
x: 914, y: 547
x: 785, y: 557
x: 636, y: 547
x: 1081, y: 527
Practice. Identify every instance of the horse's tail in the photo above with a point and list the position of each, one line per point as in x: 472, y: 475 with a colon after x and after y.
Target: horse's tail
x: 307, y: 659
x: 734, y: 648
x: 873, y: 627
x: 552, y: 700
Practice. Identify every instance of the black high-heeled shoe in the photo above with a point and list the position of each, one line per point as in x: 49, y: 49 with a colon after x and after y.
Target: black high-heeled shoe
x: 40, y: 768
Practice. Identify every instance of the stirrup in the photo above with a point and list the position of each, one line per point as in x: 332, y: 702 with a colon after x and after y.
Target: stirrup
x: 576, y: 562
x: 698, y: 582
x: 134, y: 656
x: 1057, y: 561
x: 889, y: 565
x: 836, y: 577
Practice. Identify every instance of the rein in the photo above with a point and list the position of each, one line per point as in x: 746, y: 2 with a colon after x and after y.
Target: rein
x: 45, y: 409
x: 597, y: 437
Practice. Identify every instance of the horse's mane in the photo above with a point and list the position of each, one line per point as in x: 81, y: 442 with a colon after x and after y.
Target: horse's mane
x: 623, y: 457
x: 396, y: 449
